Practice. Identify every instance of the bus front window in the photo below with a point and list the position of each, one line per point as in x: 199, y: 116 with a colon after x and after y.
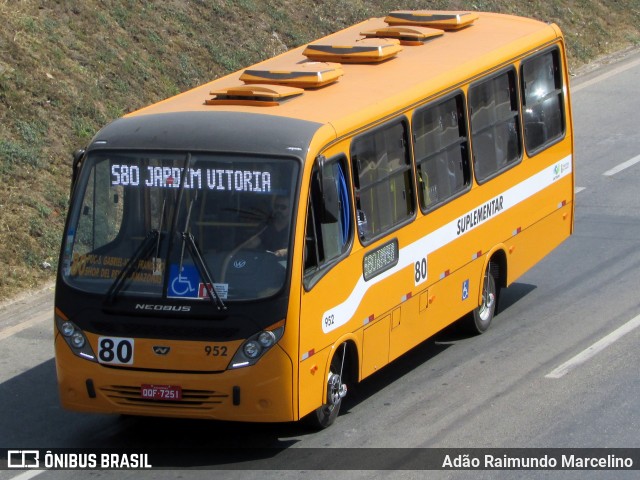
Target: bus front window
x: 184, y: 226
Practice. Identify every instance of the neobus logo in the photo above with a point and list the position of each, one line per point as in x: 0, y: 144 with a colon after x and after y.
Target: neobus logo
x: 163, y: 308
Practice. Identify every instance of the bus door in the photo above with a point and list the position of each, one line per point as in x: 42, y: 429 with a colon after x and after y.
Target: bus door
x: 329, y: 273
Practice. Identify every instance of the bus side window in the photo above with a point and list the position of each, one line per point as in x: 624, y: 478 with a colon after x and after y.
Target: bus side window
x: 543, y: 100
x: 441, y: 151
x: 383, y: 180
x: 495, y: 132
x: 329, y: 223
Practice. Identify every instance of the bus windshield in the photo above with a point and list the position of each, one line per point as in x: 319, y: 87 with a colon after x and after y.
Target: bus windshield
x: 187, y: 226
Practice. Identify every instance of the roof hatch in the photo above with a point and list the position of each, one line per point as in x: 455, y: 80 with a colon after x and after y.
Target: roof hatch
x: 254, y: 95
x: 302, y: 75
x: 408, y: 35
x: 428, y: 18
x: 368, y: 50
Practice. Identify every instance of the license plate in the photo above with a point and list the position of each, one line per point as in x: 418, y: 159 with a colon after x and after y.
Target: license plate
x: 161, y: 392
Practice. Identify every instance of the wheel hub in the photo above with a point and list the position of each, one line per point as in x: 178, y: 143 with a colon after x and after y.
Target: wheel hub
x: 336, y: 390
x: 487, y: 304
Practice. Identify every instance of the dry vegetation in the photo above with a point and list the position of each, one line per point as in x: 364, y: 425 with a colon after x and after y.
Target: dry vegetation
x: 67, y: 68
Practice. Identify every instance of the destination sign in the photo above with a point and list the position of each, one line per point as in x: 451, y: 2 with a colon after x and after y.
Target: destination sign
x: 383, y: 258
x: 195, y: 178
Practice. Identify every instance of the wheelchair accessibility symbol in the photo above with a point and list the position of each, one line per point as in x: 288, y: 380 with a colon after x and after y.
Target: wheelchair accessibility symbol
x: 465, y: 289
x: 185, y: 283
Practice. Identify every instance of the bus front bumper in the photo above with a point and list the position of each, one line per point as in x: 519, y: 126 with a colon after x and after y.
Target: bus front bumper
x: 259, y: 393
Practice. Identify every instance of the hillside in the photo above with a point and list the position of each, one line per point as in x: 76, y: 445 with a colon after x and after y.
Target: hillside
x: 68, y: 68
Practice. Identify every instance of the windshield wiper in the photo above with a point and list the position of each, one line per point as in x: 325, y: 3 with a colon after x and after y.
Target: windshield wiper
x: 203, y: 270
x: 189, y: 242
x: 200, y: 263
x: 143, y: 251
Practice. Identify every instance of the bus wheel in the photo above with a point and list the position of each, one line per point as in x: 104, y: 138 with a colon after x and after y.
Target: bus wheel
x: 481, y: 317
x: 326, y: 414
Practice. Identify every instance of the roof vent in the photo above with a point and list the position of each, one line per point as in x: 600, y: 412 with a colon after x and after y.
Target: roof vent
x: 428, y: 18
x: 254, y: 95
x: 369, y: 50
x: 407, y: 35
x: 302, y: 75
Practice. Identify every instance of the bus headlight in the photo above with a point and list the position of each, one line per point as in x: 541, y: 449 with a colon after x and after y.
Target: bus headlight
x: 255, y: 347
x: 251, y: 349
x: 75, y: 338
x: 67, y: 329
x: 267, y: 339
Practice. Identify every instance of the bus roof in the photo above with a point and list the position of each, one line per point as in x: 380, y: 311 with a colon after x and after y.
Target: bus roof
x: 367, y: 92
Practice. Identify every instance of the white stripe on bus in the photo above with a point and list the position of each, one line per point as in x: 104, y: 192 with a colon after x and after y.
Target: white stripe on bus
x: 343, y: 312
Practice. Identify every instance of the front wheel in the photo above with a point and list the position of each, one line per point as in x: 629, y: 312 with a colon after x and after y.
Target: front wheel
x: 480, y: 319
x: 326, y: 414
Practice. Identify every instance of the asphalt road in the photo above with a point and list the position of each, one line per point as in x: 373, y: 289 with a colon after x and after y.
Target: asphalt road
x: 557, y: 369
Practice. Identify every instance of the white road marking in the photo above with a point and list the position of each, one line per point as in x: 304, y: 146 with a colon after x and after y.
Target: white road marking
x: 622, y: 166
x: 579, y: 189
x: 28, y: 474
x: 9, y: 331
x: 604, y: 76
x: 594, y: 349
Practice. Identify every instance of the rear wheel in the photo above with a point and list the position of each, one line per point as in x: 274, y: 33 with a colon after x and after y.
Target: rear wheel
x: 327, y: 413
x: 480, y: 319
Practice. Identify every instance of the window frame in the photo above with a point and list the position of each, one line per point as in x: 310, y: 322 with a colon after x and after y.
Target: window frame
x: 410, y: 167
x: 467, y: 139
x: 559, y: 91
x: 311, y: 276
x: 510, y: 69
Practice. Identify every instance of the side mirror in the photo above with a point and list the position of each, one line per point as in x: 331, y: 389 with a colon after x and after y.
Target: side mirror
x: 328, y: 191
x: 330, y: 204
x: 78, y: 156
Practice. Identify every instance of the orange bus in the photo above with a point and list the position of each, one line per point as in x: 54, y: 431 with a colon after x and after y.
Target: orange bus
x: 249, y: 248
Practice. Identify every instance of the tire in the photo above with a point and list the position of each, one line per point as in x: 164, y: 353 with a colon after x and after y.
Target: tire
x: 326, y: 414
x: 480, y: 319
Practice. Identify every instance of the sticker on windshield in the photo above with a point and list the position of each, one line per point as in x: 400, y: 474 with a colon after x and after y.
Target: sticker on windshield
x: 187, y: 284
x: 108, y: 268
